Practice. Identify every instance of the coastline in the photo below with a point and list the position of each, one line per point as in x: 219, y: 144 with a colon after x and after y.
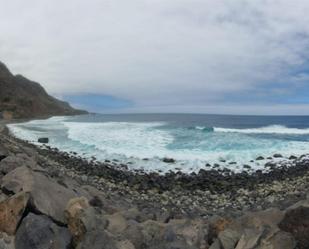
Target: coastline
x: 172, y: 196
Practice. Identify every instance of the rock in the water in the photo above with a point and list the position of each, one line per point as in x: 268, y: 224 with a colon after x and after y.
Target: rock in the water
x: 39, y: 232
x: 47, y: 196
x: 168, y: 160
x: 11, y: 212
x: 259, y: 158
x: 292, y: 157
x: 43, y: 140
x: 277, y: 156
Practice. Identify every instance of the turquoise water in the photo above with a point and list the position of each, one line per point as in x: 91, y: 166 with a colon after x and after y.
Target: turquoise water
x: 193, y: 140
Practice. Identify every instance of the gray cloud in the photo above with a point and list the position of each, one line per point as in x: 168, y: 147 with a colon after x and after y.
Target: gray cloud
x: 157, y: 53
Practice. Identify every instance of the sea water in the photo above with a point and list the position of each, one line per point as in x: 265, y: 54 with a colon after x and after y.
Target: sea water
x: 195, y: 141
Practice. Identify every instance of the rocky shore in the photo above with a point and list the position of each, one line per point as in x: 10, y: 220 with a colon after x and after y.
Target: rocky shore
x: 53, y: 199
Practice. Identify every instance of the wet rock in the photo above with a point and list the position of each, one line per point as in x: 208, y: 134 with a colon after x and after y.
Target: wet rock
x: 38, y: 232
x: 11, y: 212
x: 292, y: 157
x: 43, y: 140
x: 277, y: 156
x: 259, y: 158
x: 247, y: 166
x: 168, y: 160
x: 46, y: 196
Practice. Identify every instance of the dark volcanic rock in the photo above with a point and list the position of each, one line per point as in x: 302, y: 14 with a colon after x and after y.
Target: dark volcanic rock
x: 277, y: 156
x: 168, y: 160
x: 259, y: 158
x: 39, y: 232
x: 43, y: 140
x: 293, y: 157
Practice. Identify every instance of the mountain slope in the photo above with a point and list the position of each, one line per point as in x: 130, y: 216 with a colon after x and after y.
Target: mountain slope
x: 23, y: 98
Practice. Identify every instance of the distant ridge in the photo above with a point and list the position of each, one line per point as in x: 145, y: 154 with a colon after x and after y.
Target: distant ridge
x: 23, y: 98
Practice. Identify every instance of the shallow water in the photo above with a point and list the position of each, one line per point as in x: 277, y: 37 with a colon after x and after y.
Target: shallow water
x: 193, y: 140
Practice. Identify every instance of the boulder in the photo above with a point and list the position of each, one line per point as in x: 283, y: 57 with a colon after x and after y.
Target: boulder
x: 86, y: 226
x: 192, y: 231
x: 43, y: 140
x: 2, y: 156
x: 14, y: 161
x: 217, y: 224
x: 116, y: 223
x: 97, y: 239
x: 250, y: 239
x: 296, y: 222
x: 74, y: 211
x: 125, y: 244
x: 229, y: 238
x: 3, y: 151
x: 152, y: 231
x: 254, y: 230
x: 39, y: 232
x: 11, y: 212
x: 180, y: 244
x: 46, y: 196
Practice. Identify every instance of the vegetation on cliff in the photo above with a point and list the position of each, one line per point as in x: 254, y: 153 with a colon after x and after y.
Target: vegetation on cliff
x: 23, y: 98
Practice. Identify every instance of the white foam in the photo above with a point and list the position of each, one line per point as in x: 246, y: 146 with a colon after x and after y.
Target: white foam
x: 132, y: 141
x: 129, y: 139
x: 273, y: 129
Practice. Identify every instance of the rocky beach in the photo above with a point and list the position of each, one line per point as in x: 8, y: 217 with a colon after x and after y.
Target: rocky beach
x: 54, y: 199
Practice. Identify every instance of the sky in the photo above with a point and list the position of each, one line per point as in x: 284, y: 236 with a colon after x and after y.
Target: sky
x: 192, y: 56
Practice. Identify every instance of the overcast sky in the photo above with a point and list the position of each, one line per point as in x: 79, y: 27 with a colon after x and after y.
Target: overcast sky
x: 222, y: 56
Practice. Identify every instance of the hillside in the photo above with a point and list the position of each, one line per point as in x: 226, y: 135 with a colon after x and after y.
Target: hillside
x: 23, y: 98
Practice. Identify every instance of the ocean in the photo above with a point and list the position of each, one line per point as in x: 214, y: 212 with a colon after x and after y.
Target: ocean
x: 195, y: 141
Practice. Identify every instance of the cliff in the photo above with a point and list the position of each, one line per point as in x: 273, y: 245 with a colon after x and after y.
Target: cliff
x: 23, y: 98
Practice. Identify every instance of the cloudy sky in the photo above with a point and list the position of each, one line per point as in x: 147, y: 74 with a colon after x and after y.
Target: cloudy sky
x: 203, y: 56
